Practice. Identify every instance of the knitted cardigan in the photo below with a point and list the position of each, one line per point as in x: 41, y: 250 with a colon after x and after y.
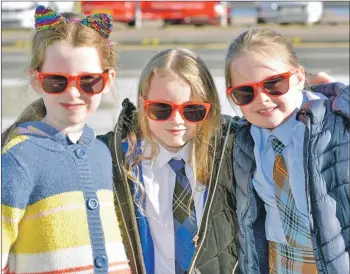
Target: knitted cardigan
x: 58, y: 211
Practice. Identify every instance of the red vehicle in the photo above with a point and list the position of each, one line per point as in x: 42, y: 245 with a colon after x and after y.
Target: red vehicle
x: 172, y: 12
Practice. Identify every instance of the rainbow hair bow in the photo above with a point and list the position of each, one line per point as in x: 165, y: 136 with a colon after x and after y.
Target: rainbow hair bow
x: 46, y: 18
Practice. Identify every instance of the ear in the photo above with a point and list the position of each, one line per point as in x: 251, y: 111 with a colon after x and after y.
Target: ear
x: 140, y: 101
x: 34, y: 81
x: 300, y: 74
x: 111, y: 76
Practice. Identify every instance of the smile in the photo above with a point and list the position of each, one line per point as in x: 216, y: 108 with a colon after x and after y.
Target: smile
x: 176, y: 131
x: 71, y: 106
x: 267, y: 111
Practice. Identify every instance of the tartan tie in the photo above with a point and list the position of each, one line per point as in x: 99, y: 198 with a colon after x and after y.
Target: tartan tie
x: 185, y: 224
x: 297, y: 233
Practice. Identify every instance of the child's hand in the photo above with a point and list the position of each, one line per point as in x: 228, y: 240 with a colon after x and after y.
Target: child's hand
x: 319, y: 78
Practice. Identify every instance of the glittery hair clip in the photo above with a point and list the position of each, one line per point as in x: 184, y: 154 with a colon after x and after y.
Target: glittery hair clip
x: 46, y: 18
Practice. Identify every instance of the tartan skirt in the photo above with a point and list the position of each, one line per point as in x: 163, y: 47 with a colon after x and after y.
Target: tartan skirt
x: 285, y: 259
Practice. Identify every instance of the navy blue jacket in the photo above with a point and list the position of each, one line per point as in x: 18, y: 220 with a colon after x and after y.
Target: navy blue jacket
x: 326, y: 165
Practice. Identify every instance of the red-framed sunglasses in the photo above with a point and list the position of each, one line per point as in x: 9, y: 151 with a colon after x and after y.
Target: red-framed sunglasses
x: 193, y: 112
x: 275, y: 85
x: 58, y: 83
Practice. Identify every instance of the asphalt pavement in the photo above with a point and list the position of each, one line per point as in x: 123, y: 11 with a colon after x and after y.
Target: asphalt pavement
x: 157, y: 35
x: 333, y: 58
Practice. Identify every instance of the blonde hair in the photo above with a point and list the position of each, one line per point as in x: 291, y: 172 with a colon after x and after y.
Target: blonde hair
x: 187, y: 66
x: 78, y: 35
x: 261, y: 40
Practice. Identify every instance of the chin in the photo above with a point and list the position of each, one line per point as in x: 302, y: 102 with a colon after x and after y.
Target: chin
x: 173, y: 145
x: 76, y: 121
x: 272, y: 125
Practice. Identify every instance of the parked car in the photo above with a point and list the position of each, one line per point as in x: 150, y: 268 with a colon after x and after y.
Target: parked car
x: 21, y: 14
x: 289, y: 12
x: 197, y: 13
x: 171, y: 12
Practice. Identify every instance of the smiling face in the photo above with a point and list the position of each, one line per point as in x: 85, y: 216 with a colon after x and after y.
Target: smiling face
x: 266, y: 111
x: 175, y: 132
x: 71, y: 108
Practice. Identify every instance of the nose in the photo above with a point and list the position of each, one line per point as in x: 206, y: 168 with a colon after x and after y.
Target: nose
x: 73, y: 90
x: 261, y: 96
x: 176, y: 117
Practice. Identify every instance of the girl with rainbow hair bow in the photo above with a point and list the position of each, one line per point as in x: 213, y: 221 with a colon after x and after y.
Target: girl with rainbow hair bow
x: 58, y: 212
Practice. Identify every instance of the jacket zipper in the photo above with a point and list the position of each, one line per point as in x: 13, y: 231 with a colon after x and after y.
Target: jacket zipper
x: 196, y: 237
x: 244, y: 215
x: 307, y: 182
x: 130, y: 202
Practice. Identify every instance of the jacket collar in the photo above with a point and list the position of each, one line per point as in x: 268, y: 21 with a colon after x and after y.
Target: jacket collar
x: 47, y: 132
x: 127, y: 119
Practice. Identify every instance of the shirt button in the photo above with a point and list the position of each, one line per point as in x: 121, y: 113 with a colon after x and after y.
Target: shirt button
x: 101, y: 261
x: 80, y: 153
x: 92, y: 203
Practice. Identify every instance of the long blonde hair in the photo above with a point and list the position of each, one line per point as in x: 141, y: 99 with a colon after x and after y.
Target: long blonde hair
x: 262, y: 40
x: 188, y: 67
x: 78, y: 35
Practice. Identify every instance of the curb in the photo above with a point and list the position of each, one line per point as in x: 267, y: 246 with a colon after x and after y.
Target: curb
x: 295, y: 40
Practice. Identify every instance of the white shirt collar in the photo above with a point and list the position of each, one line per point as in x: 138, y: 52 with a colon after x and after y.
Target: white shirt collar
x: 164, y: 155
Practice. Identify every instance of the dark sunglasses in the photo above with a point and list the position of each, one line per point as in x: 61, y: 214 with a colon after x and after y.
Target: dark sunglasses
x: 192, y: 112
x: 58, y: 83
x: 275, y: 85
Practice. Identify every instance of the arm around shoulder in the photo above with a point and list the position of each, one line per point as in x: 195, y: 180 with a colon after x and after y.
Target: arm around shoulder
x: 330, y: 89
x: 338, y: 93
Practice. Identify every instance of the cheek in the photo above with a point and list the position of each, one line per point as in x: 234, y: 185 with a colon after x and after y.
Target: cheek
x: 50, y: 99
x: 246, y: 110
x: 155, y: 127
x: 192, y: 129
x: 287, y: 101
x: 93, y: 102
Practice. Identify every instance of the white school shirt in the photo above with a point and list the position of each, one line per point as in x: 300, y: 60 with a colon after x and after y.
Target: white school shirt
x: 159, y: 183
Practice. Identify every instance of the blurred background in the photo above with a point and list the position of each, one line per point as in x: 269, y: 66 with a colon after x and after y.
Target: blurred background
x: 318, y: 30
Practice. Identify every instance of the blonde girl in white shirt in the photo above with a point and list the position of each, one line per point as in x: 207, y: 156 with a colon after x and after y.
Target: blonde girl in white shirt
x: 175, y: 140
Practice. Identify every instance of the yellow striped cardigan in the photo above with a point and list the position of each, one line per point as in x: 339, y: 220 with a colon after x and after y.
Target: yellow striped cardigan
x: 57, y: 204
